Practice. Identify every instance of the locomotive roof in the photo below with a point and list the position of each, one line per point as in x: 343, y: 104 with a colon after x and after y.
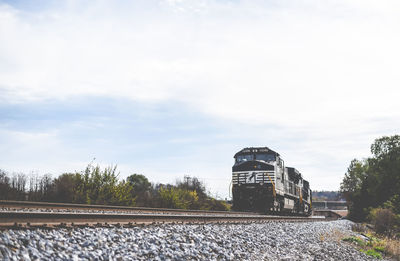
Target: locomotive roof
x: 252, y: 150
x: 292, y: 169
x: 295, y: 171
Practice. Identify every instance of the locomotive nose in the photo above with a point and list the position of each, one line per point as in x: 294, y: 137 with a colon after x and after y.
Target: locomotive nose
x: 253, y: 165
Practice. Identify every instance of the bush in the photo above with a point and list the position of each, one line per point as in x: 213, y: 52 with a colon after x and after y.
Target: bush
x: 392, y: 247
x: 358, y: 227
x: 214, y: 204
x: 173, y: 197
x: 383, y: 219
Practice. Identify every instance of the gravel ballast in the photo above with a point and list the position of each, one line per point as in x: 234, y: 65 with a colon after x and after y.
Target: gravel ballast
x: 266, y: 241
x: 120, y: 211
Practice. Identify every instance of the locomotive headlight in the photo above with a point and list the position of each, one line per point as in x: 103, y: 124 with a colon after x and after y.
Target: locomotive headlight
x: 261, y: 183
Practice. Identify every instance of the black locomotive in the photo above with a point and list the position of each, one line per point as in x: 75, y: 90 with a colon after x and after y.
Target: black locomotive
x: 262, y: 183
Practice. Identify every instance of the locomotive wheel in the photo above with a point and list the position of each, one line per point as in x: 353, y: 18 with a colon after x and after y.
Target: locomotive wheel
x: 306, y: 208
x: 277, y: 206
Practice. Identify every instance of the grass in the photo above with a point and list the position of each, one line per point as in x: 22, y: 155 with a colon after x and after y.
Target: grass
x: 375, y: 245
x: 385, y: 245
x: 335, y: 235
x: 371, y: 247
x: 392, y: 247
x: 369, y: 243
x: 380, y: 249
x: 356, y: 240
x: 372, y: 252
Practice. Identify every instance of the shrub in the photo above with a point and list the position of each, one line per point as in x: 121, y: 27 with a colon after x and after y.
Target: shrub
x: 214, y: 204
x: 383, y: 220
x: 358, y: 227
x: 392, y: 247
x: 173, y: 197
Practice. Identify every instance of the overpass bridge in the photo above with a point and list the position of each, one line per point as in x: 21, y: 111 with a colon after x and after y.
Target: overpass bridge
x: 330, y: 209
x: 333, y: 205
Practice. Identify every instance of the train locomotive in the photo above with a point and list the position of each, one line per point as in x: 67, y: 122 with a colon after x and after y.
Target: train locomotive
x: 262, y: 183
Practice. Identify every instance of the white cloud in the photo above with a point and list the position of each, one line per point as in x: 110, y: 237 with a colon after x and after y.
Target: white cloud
x: 299, y: 58
x: 326, y: 69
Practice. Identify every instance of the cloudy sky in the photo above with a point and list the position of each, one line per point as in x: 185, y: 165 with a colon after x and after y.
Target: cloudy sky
x: 175, y: 87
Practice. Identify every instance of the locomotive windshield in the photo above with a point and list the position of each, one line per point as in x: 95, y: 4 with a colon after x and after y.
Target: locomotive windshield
x: 264, y: 157
x: 241, y: 158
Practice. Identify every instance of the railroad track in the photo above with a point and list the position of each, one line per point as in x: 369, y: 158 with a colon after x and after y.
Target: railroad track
x: 32, y: 205
x: 27, y: 216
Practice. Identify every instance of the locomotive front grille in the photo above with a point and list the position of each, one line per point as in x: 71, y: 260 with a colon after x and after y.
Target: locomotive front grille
x: 252, y: 177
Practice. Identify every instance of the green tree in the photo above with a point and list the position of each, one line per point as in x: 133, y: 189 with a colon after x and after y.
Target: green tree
x: 123, y: 194
x: 386, y: 146
x: 354, y: 177
x: 141, y: 189
x: 374, y: 182
x: 65, y: 187
x: 4, y: 185
x: 384, y: 180
x: 139, y: 182
x: 193, y: 184
x: 97, y: 186
x: 105, y: 186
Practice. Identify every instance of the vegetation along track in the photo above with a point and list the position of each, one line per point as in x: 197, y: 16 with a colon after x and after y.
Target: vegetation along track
x: 29, y: 214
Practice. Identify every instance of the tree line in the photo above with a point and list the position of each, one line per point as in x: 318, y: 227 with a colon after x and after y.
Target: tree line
x: 100, y: 186
x: 371, y: 186
x: 326, y: 195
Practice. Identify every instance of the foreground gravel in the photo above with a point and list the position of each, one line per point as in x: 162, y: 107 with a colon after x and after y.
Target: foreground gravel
x: 269, y: 241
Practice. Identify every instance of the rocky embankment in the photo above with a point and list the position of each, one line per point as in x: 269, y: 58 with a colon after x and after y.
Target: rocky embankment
x: 268, y: 241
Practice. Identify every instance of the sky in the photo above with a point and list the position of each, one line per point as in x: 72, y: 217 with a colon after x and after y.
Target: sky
x: 170, y: 88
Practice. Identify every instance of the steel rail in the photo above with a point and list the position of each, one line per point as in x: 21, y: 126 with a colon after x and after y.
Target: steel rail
x: 45, y: 219
x: 52, y: 205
